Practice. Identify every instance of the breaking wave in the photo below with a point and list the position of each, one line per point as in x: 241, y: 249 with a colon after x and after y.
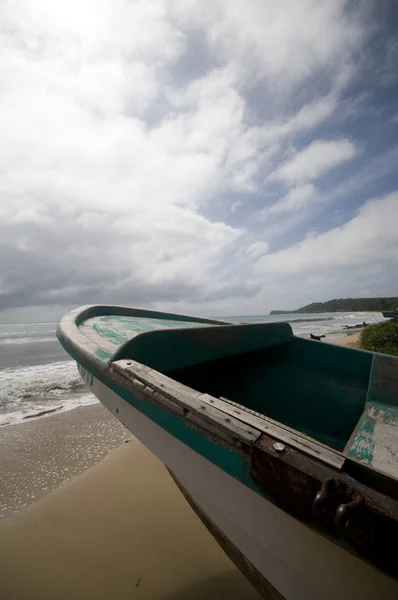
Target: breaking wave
x: 38, y: 390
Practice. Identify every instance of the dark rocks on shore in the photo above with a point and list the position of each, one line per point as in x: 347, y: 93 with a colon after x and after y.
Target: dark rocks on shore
x: 358, y: 326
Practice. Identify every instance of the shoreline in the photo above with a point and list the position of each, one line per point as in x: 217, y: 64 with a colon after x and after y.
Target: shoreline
x: 349, y: 340
x: 40, y: 455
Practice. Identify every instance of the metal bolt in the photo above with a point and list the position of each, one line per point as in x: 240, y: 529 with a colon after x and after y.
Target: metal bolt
x: 279, y: 447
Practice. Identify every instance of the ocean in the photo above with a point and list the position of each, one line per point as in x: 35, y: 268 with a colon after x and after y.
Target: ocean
x: 36, y: 374
x: 37, y: 377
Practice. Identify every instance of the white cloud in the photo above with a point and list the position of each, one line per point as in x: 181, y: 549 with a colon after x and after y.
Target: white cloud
x: 297, y: 198
x: 308, y: 117
x: 98, y: 29
x: 257, y: 249
x: 368, y: 240
x: 284, y: 41
x: 315, y: 160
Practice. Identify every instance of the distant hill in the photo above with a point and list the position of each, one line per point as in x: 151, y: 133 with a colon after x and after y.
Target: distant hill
x: 345, y: 305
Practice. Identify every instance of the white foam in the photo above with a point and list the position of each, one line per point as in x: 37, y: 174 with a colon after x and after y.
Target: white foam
x: 21, y: 416
x: 26, y: 340
x: 336, y: 323
x: 27, y: 391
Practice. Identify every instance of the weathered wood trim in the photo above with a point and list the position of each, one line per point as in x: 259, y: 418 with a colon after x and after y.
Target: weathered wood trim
x: 258, y: 581
x: 185, y: 402
x: 216, y: 421
x: 291, y: 458
x: 292, y: 480
x: 280, y: 432
x: 245, y: 427
x: 135, y: 371
x: 190, y: 399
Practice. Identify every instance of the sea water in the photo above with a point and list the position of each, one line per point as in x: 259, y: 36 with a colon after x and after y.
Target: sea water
x: 37, y: 376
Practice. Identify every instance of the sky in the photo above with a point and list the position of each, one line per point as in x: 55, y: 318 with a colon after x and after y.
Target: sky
x: 227, y: 157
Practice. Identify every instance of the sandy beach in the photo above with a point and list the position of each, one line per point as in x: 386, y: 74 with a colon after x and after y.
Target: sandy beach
x: 350, y: 340
x: 120, y: 530
x: 101, y: 518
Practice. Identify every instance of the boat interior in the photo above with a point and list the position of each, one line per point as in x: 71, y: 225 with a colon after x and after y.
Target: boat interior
x: 303, y: 387
x: 315, y: 388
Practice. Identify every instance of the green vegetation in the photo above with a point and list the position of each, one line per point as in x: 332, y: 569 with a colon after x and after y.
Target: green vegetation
x: 381, y: 337
x: 346, y: 305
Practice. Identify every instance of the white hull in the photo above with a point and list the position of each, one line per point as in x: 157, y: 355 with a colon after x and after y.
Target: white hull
x: 295, y: 560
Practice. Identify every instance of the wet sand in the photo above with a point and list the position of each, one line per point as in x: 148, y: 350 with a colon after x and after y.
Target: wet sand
x: 42, y: 454
x: 121, y: 530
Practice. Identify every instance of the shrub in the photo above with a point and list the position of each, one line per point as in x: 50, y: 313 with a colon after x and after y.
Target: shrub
x: 381, y: 337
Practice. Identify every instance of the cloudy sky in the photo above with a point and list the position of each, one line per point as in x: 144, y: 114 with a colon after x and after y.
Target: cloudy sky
x: 218, y: 157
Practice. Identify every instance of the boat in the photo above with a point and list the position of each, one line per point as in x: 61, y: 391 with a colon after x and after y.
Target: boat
x: 391, y: 314
x: 286, y: 448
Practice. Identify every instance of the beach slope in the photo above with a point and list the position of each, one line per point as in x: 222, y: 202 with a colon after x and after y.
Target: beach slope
x: 120, y: 530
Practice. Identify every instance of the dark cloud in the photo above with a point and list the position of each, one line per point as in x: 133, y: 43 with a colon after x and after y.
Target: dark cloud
x: 64, y: 261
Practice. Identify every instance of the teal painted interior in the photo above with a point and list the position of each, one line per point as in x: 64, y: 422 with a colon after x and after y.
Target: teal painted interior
x: 118, y: 330
x: 317, y: 389
x: 323, y: 403
x: 168, y: 349
x: 383, y: 385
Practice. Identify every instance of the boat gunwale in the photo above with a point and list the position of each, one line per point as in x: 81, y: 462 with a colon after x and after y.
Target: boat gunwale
x: 85, y: 351
x: 176, y: 397
x: 89, y: 311
x: 158, y: 383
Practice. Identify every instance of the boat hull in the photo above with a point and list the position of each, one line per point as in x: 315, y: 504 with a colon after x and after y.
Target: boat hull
x: 281, y: 556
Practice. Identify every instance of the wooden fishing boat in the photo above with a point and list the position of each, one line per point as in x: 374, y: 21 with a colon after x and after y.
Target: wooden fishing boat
x: 286, y: 448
